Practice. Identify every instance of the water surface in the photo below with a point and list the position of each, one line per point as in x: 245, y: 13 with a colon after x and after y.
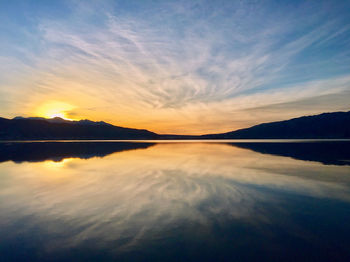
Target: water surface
x: 179, y: 201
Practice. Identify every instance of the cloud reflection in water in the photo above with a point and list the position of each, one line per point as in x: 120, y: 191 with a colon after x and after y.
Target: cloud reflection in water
x: 155, y: 196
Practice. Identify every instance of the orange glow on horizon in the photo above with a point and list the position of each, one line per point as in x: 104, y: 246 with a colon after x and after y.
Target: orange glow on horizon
x: 160, y: 121
x: 54, y: 109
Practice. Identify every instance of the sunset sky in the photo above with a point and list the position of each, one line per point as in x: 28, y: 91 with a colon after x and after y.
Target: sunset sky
x: 182, y: 67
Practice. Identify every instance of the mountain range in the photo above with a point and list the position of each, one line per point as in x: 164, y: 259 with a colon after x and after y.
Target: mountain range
x: 327, y: 125
x: 334, y: 125
x: 34, y: 128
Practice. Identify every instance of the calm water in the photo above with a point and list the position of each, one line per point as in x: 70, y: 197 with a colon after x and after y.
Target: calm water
x: 148, y: 201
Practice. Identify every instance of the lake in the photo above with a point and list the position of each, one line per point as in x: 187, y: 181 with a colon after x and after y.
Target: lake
x: 175, y: 201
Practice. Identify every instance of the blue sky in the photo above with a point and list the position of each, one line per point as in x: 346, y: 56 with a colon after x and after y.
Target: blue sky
x: 175, y: 66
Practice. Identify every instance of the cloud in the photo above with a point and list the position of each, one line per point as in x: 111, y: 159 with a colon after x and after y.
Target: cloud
x: 134, y: 198
x: 175, y: 67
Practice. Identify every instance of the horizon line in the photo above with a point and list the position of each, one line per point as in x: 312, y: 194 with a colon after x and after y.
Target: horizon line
x: 162, y: 134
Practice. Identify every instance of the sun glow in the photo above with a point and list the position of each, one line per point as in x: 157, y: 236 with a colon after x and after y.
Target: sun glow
x: 54, y: 109
x: 57, y: 164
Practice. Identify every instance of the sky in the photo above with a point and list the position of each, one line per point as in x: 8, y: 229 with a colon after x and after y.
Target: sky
x: 181, y: 67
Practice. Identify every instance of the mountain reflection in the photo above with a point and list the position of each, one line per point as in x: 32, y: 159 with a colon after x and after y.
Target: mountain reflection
x: 57, y: 151
x: 174, y: 202
x: 326, y: 152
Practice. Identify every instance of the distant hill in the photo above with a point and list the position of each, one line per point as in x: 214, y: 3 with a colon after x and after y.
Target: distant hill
x: 327, y: 125
x: 21, y: 128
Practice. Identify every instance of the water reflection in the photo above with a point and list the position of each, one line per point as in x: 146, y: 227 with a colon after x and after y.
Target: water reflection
x: 56, y: 151
x: 173, y: 202
x: 326, y: 152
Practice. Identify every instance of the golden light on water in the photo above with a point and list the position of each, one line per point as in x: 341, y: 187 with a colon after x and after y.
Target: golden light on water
x: 54, y: 109
x: 50, y: 164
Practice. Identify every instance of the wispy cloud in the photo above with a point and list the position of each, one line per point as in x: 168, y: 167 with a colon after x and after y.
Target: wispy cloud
x: 200, y: 183
x: 183, y: 67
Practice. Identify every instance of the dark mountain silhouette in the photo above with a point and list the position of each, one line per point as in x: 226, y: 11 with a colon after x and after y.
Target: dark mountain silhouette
x: 58, y: 128
x: 57, y: 151
x: 325, y: 152
x: 323, y: 126
x: 61, y: 120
